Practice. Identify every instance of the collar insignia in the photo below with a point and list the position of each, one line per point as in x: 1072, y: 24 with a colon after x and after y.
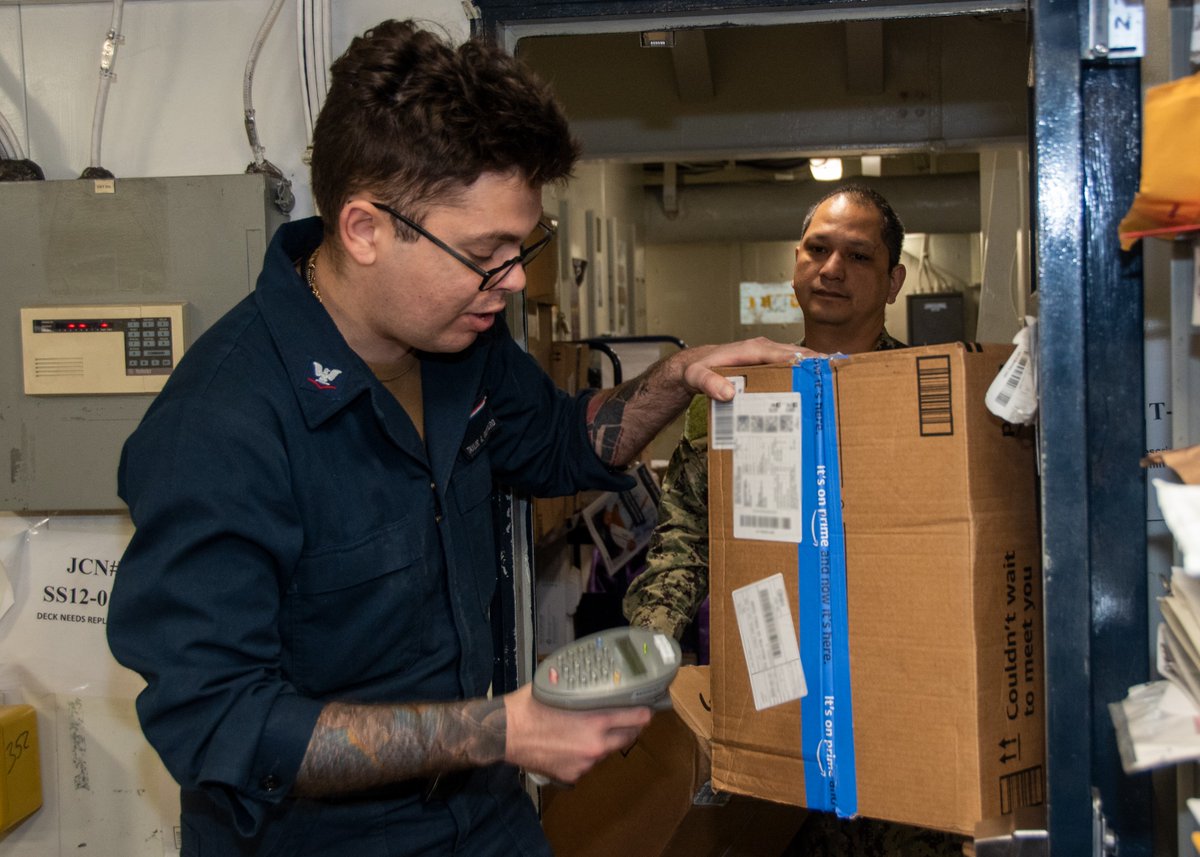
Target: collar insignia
x: 323, y: 378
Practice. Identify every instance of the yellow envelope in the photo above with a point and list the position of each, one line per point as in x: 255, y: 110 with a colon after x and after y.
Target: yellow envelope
x: 1168, y: 197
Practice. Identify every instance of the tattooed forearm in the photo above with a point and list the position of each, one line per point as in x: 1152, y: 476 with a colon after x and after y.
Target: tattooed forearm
x: 622, y: 420
x: 606, y: 414
x: 355, y: 747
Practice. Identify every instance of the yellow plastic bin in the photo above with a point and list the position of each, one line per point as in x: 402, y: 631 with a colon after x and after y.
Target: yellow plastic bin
x: 20, y: 769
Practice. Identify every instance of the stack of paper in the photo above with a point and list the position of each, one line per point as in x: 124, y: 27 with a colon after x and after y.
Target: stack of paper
x: 1179, y: 636
x: 1158, y: 723
x: 1180, y: 505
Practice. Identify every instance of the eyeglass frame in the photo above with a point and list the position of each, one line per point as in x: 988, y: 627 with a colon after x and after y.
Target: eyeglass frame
x: 493, y: 275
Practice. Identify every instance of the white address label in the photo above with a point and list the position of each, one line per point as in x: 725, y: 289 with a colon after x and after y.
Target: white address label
x: 769, y: 642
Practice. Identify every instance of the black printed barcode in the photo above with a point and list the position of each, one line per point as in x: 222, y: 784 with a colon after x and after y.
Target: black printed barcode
x: 765, y: 522
x: 768, y: 614
x: 1022, y: 788
x: 934, y: 400
x: 1014, y: 378
x: 722, y: 427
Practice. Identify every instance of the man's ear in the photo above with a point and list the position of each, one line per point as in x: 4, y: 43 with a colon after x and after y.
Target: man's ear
x: 360, y: 228
x: 897, y: 280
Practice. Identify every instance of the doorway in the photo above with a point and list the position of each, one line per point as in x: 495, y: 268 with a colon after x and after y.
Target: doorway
x: 1083, y: 301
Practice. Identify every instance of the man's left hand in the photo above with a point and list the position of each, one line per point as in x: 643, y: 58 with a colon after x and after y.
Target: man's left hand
x: 698, y: 374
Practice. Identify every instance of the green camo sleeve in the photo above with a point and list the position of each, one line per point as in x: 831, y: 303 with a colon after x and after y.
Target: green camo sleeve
x: 668, y: 594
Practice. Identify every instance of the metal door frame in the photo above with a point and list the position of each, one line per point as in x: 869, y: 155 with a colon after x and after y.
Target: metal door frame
x: 1085, y: 150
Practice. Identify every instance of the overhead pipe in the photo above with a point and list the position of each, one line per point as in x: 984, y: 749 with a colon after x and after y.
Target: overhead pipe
x: 108, y: 59
x: 281, y: 187
x: 936, y: 204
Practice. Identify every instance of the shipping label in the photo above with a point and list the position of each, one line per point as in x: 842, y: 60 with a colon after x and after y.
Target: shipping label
x: 766, y: 467
x: 769, y: 642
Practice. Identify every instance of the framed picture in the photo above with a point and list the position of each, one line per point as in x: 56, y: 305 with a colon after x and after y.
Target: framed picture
x: 599, y: 320
x: 619, y: 292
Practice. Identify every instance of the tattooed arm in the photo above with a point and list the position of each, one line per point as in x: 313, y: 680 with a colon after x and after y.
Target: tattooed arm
x: 356, y: 747
x: 623, y: 419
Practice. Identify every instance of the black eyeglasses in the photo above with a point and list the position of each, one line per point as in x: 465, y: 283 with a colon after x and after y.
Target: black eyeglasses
x: 490, y: 277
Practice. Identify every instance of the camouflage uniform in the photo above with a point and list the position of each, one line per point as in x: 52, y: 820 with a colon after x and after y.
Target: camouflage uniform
x: 668, y: 594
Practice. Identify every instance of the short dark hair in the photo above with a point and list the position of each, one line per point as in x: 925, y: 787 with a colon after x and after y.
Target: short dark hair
x: 890, y: 227
x: 411, y: 117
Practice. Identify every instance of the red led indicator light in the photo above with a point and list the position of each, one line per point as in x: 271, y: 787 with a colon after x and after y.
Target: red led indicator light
x: 71, y: 325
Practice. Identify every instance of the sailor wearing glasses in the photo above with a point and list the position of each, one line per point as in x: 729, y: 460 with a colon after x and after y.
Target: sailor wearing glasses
x: 309, y: 590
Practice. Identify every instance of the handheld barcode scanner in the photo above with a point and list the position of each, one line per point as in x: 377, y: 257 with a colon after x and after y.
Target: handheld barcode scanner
x: 614, y: 668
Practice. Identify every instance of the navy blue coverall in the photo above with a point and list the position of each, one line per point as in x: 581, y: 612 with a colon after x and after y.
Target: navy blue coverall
x: 296, y: 542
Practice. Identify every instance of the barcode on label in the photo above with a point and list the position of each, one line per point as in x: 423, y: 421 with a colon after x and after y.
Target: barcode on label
x: 769, y: 642
x: 1013, y: 380
x: 765, y: 522
x: 768, y: 612
x: 722, y: 418
x: 722, y: 429
x: 1021, y: 788
x: 934, y: 399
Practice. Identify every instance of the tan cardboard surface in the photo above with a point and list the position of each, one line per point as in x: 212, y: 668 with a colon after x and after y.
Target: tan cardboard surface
x: 642, y: 802
x: 944, y: 594
x: 691, y: 697
x: 541, y: 275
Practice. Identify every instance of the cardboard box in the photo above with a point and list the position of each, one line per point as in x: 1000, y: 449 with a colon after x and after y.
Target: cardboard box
x: 654, y: 800
x: 940, y: 719
x: 541, y: 275
x: 568, y: 365
x: 550, y: 514
x: 539, y: 321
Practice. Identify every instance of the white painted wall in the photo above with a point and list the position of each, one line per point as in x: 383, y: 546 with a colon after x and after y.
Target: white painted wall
x: 175, y: 109
x: 693, y: 289
x: 610, y: 191
x: 176, y: 105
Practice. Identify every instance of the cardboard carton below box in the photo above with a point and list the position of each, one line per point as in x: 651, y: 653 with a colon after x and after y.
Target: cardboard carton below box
x: 655, y: 800
x: 941, y: 600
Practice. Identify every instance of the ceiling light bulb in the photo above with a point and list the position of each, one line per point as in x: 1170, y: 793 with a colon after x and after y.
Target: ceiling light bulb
x: 825, y: 169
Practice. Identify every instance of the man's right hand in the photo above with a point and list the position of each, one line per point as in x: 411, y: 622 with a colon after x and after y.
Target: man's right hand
x: 564, y: 745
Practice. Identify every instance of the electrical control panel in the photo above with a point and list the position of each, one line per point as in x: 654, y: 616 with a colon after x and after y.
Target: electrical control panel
x: 103, y: 287
x: 84, y: 350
